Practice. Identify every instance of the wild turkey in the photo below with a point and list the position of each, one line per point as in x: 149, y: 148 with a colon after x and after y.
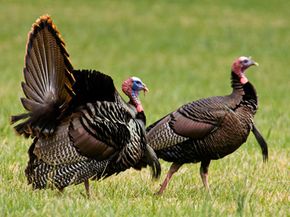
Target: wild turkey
x: 80, y: 125
x: 208, y: 129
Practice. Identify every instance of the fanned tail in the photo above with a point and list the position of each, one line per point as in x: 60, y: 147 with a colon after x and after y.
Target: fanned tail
x: 262, y: 142
x: 48, y: 80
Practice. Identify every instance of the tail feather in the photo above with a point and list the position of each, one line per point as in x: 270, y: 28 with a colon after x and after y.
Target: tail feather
x: 15, y: 118
x: 29, y: 92
x: 48, y: 79
x: 153, y: 162
x: 151, y: 159
x: 262, y: 142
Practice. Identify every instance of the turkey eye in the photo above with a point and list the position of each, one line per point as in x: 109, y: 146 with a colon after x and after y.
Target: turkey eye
x: 138, y: 82
x: 245, y: 61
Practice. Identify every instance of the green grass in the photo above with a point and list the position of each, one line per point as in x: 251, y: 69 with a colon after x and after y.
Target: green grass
x: 182, y: 51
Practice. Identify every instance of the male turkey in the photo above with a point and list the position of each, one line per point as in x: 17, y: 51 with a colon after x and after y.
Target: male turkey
x: 208, y: 129
x: 80, y: 125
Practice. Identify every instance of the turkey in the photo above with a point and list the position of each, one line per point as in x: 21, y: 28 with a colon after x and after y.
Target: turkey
x: 80, y: 125
x: 208, y: 129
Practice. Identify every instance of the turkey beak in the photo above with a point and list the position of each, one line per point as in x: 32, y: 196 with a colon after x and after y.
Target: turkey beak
x: 145, y: 89
x: 253, y: 63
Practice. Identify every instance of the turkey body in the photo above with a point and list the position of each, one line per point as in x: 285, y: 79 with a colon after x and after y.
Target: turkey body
x: 80, y: 125
x: 216, y: 144
x: 206, y: 129
x: 82, y: 148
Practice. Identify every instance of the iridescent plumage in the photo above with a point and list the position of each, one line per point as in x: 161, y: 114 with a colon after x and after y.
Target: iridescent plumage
x: 80, y: 125
x: 208, y: 129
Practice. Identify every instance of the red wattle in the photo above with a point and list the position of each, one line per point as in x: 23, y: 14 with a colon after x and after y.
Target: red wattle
x: 243, y: 80
x: 139, y: 108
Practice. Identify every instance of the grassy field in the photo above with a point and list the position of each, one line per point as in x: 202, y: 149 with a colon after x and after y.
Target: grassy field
x: 183, y: 51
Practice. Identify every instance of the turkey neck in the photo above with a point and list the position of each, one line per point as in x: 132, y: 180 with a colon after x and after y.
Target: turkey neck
x: 237, y: 85
x: 250, y: 99
x: 246, y: 93
x: 134, y: 101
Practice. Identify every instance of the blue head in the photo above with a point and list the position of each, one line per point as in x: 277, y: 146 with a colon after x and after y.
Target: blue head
x: 131, y: 87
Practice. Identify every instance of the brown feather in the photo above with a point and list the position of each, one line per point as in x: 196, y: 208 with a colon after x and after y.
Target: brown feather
x: 30, y: 105
x: 87, y: 144
x: 81, y: 125
x: 31, y: 93
x: 48, y: 78
x: 189, y: 128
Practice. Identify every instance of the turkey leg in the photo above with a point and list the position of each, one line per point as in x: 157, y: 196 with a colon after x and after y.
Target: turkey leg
x: 173, y: 169
x: 87, y: 187
x: 204, y: 173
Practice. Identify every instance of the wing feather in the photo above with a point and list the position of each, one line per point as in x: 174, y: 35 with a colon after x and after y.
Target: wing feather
x: 194, y: 120
x: 87, y: 144
x: 186, y: 127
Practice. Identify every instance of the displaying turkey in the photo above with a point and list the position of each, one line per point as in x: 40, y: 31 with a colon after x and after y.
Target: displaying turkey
x: 80, y: 125
x: 208, y: 129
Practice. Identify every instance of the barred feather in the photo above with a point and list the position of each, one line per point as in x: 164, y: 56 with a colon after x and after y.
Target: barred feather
x: 48, y: 80
x: 229, y: 114
x: 206, y: 129
x: 82, y: 128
